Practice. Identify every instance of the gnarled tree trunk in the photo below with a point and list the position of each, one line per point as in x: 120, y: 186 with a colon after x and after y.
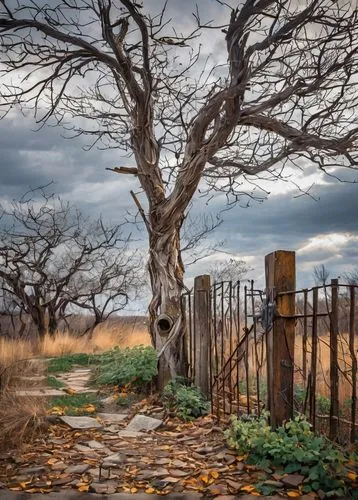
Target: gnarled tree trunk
x: 166, y: 319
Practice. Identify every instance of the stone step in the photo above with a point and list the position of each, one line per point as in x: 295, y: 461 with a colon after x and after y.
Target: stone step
x: 40, y: 393
x: 35, y: 378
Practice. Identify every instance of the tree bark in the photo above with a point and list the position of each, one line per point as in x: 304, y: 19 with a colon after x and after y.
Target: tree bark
x: 52, y: 322
x: 166, y: 273
x: 38, y: 316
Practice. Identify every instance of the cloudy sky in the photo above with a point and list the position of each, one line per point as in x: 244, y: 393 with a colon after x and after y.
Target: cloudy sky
x: 322, y: 229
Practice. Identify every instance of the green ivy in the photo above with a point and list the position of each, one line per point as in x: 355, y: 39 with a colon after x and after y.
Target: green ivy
x: 294, y: 448
x: 185, y: 400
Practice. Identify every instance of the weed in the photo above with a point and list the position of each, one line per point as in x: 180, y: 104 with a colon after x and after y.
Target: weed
x: 295, y: 448
x: 136, y: 366
x: 75, y: 404
x: 54, y: 382
x: 185, y: 400
x: 66, y: 363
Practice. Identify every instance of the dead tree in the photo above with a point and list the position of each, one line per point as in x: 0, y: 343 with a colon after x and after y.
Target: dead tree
x: 284, y: 94
x: 53, y: 259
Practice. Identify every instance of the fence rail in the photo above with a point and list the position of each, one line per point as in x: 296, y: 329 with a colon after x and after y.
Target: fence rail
x: 279, y: 349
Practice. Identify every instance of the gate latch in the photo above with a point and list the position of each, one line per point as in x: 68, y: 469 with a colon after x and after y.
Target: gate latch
x: 267, y: 314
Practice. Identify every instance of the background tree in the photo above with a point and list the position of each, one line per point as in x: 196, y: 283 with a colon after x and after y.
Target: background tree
x: 229, y: 270
x: 352, y: 277
x: 53, y: 259
x: 321, y: 274
x: 284, y: 94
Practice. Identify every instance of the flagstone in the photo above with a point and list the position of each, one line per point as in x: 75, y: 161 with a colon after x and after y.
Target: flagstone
x: 80, y: 422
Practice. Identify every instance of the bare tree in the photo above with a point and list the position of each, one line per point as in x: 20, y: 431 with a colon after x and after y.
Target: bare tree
x: 52, y: 258
x: 321, y: 274
x: 229, y: 270
x: 352, y: 277
x: 284, y: 95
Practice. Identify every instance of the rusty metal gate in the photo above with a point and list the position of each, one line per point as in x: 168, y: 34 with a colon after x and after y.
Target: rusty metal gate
x: 237, y: 347
x: 246, y: 332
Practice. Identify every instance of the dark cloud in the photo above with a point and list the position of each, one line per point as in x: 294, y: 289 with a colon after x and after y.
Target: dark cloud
x: 302, y: 224
x: 30, y: 158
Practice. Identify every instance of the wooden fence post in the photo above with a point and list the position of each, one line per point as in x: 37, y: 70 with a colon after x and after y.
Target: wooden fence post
x: 281, y: 277
x: 202, y: 323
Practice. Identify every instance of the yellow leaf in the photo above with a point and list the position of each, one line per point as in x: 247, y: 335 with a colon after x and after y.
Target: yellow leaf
x: 352, y: 476
x: 134, y: 490
x: 90, y: 408
x: 255, y: 494
x: 24, y: 484
x: 149, y: 491
x: 214, y: 474
x: 83, y: 487
x: 52, y: 461
x: 205, y: 479
x: 70, y: 391
x: 241, y: 458
x: 248, y: 488
x: 56, y: 410
x: 293, y: 493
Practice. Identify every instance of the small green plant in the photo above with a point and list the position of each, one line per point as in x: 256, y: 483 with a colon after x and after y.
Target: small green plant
x: 54, y: 382
x: 293, y: 447
x: 66, y: 363
x: 136, y: 366
x: 76, y: 404
x: 185, y: 400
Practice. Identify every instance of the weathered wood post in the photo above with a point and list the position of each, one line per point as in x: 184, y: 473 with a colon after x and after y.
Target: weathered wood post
x: 280, y: 267
x: 202, y: 322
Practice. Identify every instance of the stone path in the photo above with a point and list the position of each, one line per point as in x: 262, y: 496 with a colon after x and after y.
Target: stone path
x: 116, y: 455
x: 77, y: 380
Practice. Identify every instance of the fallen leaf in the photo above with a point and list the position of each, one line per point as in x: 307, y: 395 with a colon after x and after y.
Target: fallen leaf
x: 352, y: 476
x: 234, y: 485
x: 134, y: 490
x: 70, y: 391
x: 24, y: 484
x: 214, y: 474
x: 205, y: 479
x: 248, y: 488
x: 150, y: 491
x: 89, y: 408
x: 293, y: 493
x: 84, y: 487
x: 56, y: 410
x: 52, y: 461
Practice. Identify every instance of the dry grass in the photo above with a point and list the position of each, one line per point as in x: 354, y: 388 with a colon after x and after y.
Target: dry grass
x: 323, y: 365
x: 103, y: 339
x: 63, y: 343
x: 21, y: 419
